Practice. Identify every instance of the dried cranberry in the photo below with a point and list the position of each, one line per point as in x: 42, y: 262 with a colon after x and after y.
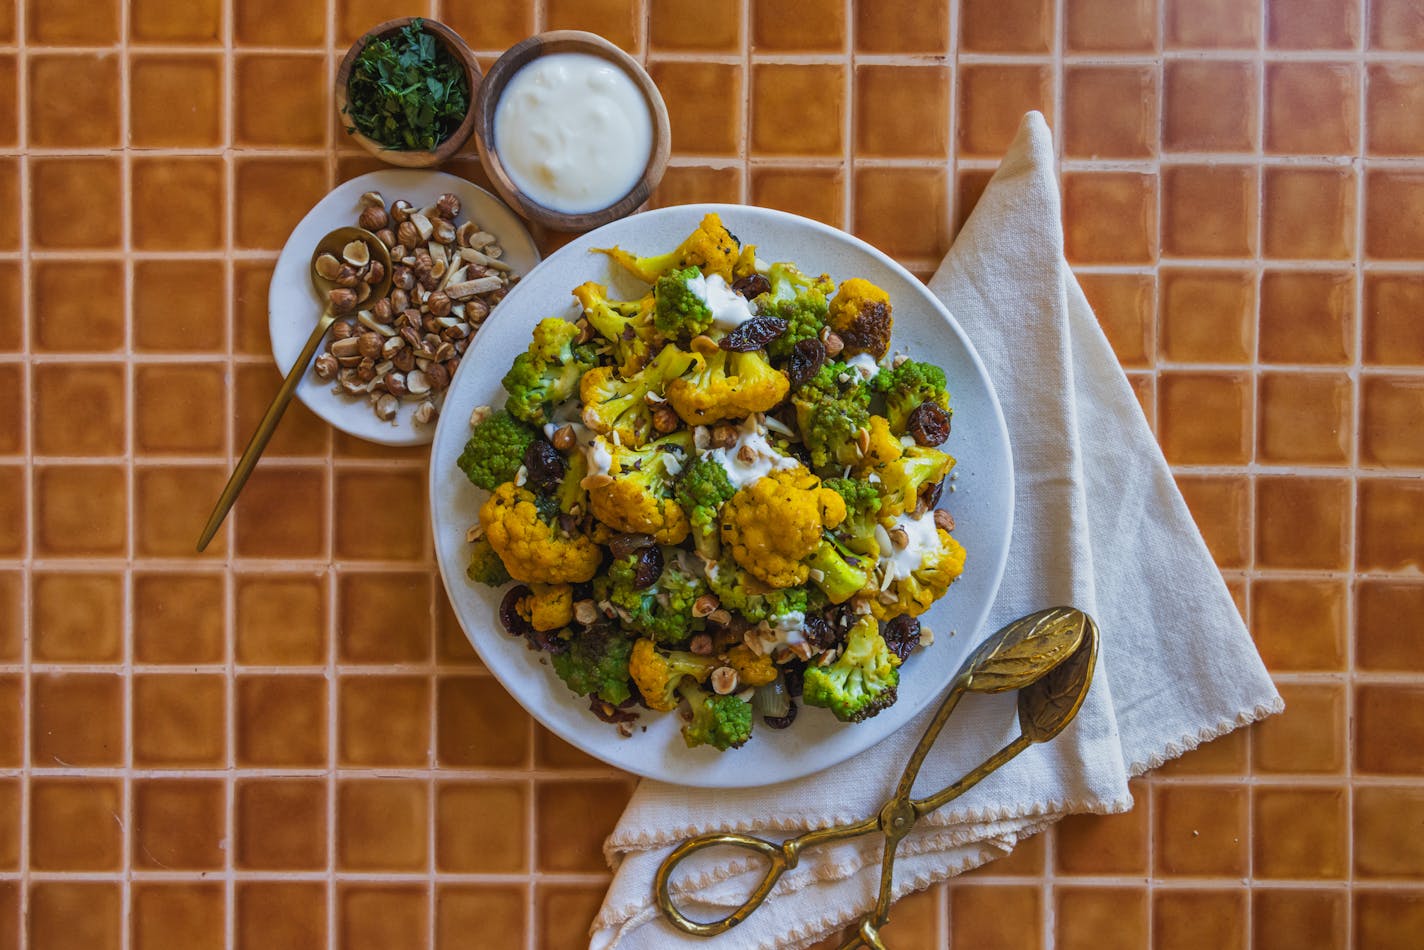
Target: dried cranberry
x: 929, y: 494
x: 819, y: 633
x: 794, y: 675
x: 751, y: 286
x: 648, y: 567
x: 781, y: 722
x: 755, y: 334
x: 902, y: 635
x: 609, y: 712
x: 928, y: 423
x: 623, y: 545
x: 544, y: 465
x: 514, y: 624
x: 547, y: 640
x: 807, y: 358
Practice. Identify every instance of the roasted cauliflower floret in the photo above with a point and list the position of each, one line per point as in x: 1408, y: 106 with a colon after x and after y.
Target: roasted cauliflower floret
x: 532, y: 549
x: 860, y: 315
x: 639, y: 499
x: 775, y: 523
x: 941, y: 561
x: 612, y: 404
x: 726, y: 385
x: 711, y: 249
x: 625, y: 326
x: 548, y: 372
x: 658, y: 672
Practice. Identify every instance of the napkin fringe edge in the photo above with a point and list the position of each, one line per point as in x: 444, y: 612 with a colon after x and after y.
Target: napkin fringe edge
x: 1190, y: 741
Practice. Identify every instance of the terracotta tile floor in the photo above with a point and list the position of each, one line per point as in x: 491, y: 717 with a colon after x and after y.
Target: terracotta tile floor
x: 286, y: 743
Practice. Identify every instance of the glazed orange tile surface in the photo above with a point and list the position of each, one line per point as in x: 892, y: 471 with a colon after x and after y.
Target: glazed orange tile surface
x: 287, y: 742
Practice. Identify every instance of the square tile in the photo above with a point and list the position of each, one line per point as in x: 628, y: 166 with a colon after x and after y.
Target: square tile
x: 179, y: 824
x: 1285, y: 919
x: 276, y: 98
x: 810, y: 98
x: 176, y: 101
x: 1025, y: 860
x: 573, y: 818
x: 615, y: 20
x: 996, y: 916
x: 1390, y: 534
x: 1110, y: 111
x: 178, y: 204
x: 301, y: 433
x: 12, y: 300
x: 1312, y: 108
x: 992, y: 102
x: 381, y: 825
x: 180, y: 306
x: 1392, y: 334
x: 1209, y: 210
x: 72, y: 826
x: 1200, y: 831
x: 1388, y: 436
x: 76, y: 618
x: 1205, y: 418
x: 188, y: 915
x: 1100, y: 918
x: 12, y: 390
x: 12, y: 630
x: 479, y: 725
x: 1203, y: 109
x: 1301, y: 523
x: 1300, y: 833
x: 280, y: 914
x: 251, y: 281
x: 1221, y: 506
x: 74, y: 100
x: 811, y: 26
x: 1206, y: 316
x: 58, y: 389
x: 10, y: 829
x: 811, y: 192
x: 1389, y: 727
x: 902, y: 111
x: 1110, y: 217
x: 282, y: 514
x: 180, y: 721
x: 1307, y: 317
x: 916, y: 922
x: 376, y: 917
x: 1388, y: 920
x: 281, y: 619
x: 62, y: 321
x: 1395, y: 96
x: 75, y: 915
x: 1299, y: 624
x: 193, y: 425
x: 552, y: 752
x: 480, y: 827
x: 1123, y: 306
x: 1395, y: 25
x: 1308, y: 738
x: 10, y: 194
x: 12, y: 511
x: 1381, y: 814
x: 384, y: 617
x: 12, y: 737
x: 281, y: 721
x: 75, y: 203
x: 910, y: 26
x: 704, y: 105
x: 72, y: 23
x: 392, y: 515
x: 1212, y: 24
x: 1304, y: 418
x: 1222, y: 757
x: 176, y: 21
x: 1312, y: 24
x: 1110, y: 26
x: 889, y: 211
x: 76, y: 720
x: 1309, y: 213
x: 276, y: 192
x: 383, y: 721
x: 276, y: 23
x: 1007, y: 26
x: 563, y: 912
x: 171, y: 505
x: 694, y: 184
x: 1389, y: 625
x: 1193, y: 919
x: 280, y: 824
x: 496, y: 911
x: 1394, y: 214
x: 712, y: 27
x: 178, y: 618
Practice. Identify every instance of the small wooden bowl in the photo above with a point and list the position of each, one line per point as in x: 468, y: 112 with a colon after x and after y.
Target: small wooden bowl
x: 568, y: 41
x: 456, y: 47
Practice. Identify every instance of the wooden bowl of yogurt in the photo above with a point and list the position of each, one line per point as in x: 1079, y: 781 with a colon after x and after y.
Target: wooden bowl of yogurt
x: 572, y: 130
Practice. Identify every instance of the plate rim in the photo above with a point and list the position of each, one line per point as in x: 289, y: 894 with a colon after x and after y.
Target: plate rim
x: 648, y: 768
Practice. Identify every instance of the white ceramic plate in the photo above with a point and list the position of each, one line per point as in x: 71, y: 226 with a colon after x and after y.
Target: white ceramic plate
x: 982, y: 503
x: 293, y: 303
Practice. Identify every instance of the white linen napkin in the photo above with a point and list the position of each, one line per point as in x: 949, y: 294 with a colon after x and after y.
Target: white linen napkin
x: 1099, y: 524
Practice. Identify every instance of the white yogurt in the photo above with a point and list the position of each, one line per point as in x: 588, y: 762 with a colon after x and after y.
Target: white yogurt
x: 573, y: 131
x: 923, y: 540
x: 865, y: 365
x: 729, y: 308
x: 757, y: 461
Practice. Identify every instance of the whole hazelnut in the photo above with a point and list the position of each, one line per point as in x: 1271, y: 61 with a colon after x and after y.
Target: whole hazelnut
x: 438, y: 375
x: 407, y: 234
x: 366, y: 370
x: 375, y: 271
x: 399, y: 299
x: 402, y: 277
x: 340, y: 330
x: 439, y: 303
x: 326, y: 366
x: 373, y: 218
x: 381, y: 311
x: 395, y: 383
x: 404, y: 360
x: 387, y: 237
x: 401, y: 210
x: 348, y: 276
x: 447, y: 206
x: 369, y: 345
x: 342, y: 300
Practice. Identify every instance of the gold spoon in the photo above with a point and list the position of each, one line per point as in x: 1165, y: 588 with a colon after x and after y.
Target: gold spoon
x: 332, y: 244
x: 1048, y: 656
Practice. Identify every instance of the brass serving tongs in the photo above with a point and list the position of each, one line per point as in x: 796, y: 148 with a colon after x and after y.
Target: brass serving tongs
x: 1048, y: 656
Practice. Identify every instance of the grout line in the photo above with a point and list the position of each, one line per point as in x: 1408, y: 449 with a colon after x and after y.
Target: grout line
x: 27, y: 346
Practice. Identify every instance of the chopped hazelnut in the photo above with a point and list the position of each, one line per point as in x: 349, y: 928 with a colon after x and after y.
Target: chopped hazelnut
x: 564, y: 439
x: 701, y: 645
x: 447, y: 206
x: 943, y: 520
x: 724, y: 680
x: 704, y: 605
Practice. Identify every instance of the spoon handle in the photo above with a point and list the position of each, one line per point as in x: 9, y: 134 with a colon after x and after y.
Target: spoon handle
x: 265, y: 428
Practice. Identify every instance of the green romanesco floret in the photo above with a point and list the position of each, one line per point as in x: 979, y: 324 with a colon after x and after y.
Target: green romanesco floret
x: 862, y: 500
x: 495, y: 449
x: 548, y: 372
x: 723, y: 722
x: 485, y: 566
x: 658, y: 672
x: 831, y: 408
x: 596, y: 664
x: 680, y: 310
x: 861, y: 682
x: 663, y: 610
x: 798, y: 299
x: 625, y: 326
x: 613, y: 404
x: 908, y: 385
x: 711, y: 248
x: 741, y: 593
x: 702, y: 489
x: 838, y: 572
x: 726, y: 385
x: 639, y: 499
x: 902, y: 478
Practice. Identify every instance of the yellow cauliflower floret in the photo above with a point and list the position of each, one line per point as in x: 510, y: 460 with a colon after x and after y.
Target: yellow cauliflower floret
x: 927, y: 583
x: 884, y: 446
x: 548, y: 607
x: 752, y: 670
x: 629, y: 507
x: 861, y: 316
x: 727, y: 385
x: 532, y: 550
x: 658, y: 674
x: 711, y: 247
x: 775, y: 523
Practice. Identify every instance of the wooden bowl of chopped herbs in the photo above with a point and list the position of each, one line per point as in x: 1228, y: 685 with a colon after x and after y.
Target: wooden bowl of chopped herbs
x: 405, y: 92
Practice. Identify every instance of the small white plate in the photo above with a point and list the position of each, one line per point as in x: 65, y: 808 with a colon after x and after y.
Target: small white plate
x: 981, y: 502
x: 293, y: 303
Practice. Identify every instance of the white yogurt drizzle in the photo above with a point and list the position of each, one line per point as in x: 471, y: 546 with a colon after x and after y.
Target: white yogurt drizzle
x: 763, y: 458
x: 924, y: 540
x: 729, y: 308
x: 865, y: 365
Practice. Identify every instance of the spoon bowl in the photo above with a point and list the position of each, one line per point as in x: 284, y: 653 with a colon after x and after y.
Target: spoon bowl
x: 335, y: 244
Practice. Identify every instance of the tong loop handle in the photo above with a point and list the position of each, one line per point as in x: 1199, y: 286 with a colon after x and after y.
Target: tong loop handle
x: 780, y: 857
